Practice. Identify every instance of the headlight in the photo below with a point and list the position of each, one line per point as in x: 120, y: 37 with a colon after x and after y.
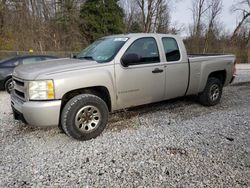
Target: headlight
x: 41, y: 90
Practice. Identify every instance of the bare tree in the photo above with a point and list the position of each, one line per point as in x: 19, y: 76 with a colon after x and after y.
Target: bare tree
x: 240, y: 38
x: 199, y: 9
x: 154, y: 14
x: 241, y: 7
x: 131, y: 11
x: 214, y: 10
x: 146, y: 8
x: 161, y: 18
x: 2, y: 12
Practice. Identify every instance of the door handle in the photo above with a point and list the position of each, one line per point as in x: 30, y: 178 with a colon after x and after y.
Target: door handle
x: 157, y: 70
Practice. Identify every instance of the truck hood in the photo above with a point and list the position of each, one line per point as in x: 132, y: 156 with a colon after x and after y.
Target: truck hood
x: 32, y: 71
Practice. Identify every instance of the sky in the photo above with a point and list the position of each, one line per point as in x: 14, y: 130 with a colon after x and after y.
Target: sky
x: 182, y: 15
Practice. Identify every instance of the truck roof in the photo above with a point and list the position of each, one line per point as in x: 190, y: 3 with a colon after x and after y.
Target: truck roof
x: 131, y: 35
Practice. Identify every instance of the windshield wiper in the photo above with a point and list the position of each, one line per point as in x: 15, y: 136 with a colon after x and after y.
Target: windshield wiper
x: 86, y: 57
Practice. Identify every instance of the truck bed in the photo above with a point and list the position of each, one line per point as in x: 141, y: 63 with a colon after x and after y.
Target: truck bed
x: 201, y: 65
x: 210, y: 57
x: 202, y: 55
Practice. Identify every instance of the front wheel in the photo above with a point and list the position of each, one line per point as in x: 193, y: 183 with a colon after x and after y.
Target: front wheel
x: 212, y: 92
x: 84, y: 117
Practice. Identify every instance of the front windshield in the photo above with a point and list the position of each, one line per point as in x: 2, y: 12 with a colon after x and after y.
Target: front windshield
x: 102, y: 50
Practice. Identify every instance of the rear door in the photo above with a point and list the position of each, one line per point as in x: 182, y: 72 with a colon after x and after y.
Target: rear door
x: 144, y: 82
x: 176, y: 68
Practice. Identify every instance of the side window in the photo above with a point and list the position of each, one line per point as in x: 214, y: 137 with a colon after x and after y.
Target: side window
x: 31, y: 60
x: 15, y: 63
x: 146, y: 49
x: 11, y: 63
x: 171, y: 48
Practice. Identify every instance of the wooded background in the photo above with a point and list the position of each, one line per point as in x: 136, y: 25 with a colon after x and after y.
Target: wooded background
x: 70, y: 25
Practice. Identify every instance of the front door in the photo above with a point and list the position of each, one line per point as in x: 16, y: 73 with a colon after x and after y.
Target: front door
x: 143, y: 82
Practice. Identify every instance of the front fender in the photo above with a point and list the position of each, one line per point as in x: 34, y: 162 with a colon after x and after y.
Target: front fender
x: 85, y: 78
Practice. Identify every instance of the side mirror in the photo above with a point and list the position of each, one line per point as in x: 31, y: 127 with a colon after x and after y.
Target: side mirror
x: 130, y: 59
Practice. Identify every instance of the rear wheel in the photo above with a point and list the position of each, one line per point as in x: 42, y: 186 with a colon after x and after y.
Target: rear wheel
x: 212, y: 92
x: 9, y: 85
x: 84, y: 117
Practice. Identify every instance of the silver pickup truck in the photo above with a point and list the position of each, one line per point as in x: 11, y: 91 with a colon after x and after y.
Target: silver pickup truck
x: 113, y: 73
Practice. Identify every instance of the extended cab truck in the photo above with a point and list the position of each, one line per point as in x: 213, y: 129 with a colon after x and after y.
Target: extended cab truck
x: 113, y: 73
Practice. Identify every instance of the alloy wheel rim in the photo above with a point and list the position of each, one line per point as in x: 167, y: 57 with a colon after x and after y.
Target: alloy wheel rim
x: 214, y: 92
x: 10, y: 86
x: 88, y: 118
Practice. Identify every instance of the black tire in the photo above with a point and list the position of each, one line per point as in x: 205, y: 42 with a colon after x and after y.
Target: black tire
x: 8, y: 85
x: 209, y: 97
x: 76, y: 107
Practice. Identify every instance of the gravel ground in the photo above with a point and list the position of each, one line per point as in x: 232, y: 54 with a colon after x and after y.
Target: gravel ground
x: 178, y: 143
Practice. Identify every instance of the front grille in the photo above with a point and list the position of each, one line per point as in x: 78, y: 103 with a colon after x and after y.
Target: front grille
x: 18, y: 82
x: 20, y: 94
x: 20, y: 87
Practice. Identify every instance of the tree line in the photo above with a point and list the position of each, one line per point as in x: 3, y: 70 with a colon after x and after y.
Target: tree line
x: 70, y: 25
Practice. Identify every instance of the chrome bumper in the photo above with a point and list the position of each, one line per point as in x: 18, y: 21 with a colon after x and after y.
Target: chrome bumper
x: 40, y: 113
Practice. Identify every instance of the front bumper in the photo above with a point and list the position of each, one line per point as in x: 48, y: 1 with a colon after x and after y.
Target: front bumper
x: 40, y: 113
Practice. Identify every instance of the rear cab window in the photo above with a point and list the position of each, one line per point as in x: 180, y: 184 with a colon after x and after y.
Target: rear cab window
x: 171, y: 48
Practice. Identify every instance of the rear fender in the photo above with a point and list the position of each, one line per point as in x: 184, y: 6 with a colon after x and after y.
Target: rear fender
x: 208, y: 68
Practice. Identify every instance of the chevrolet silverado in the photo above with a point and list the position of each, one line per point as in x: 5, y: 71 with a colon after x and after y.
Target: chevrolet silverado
x: 115, y: 72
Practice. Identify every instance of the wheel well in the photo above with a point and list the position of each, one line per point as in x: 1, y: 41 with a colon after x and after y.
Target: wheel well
x: 6, y: 79
x: 221, y: 75
x: 99, y: 91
